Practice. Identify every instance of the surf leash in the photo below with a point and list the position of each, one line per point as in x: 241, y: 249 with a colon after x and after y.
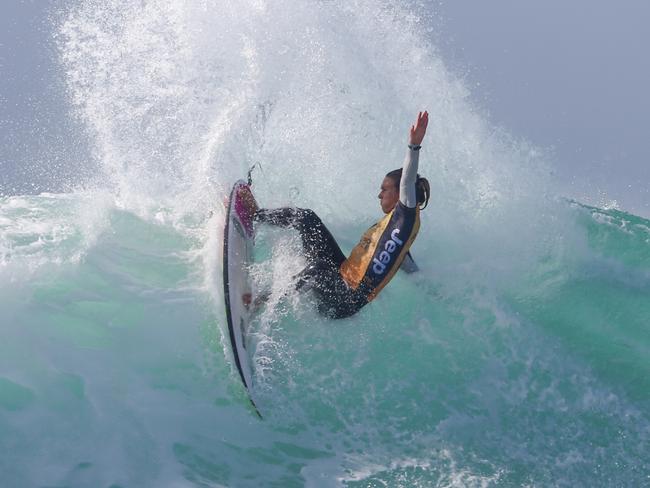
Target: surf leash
x: 249, y: 177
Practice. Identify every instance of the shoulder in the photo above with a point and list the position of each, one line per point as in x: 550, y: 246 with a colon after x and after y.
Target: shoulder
x: 403, y: 209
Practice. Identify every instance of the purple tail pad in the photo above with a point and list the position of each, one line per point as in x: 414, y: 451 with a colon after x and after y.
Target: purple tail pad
x: 245, y: 207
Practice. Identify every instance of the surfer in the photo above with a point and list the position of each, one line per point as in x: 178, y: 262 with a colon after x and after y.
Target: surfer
x: 344, y: 285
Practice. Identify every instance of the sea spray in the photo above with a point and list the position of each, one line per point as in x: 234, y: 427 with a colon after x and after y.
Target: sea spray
x: 517, y: 356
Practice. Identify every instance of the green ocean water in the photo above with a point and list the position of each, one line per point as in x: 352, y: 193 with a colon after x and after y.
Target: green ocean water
x: 115, y: 373
x: 517, y: 356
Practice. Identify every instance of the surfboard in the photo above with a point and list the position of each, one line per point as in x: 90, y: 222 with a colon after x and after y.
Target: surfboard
x: 238, y: 241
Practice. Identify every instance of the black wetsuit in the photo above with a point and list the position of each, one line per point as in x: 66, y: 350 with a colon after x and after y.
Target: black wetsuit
x: 324, y: 258
x: 344, y: 285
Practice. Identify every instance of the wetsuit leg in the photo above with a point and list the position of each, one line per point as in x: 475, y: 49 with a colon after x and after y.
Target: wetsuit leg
x: 317, y: 241
x: 324, y: 256
x: 335, y: 299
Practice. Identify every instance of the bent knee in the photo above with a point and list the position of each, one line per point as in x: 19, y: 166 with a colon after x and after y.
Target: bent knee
x: 306, y: 212
x: 308, y: 216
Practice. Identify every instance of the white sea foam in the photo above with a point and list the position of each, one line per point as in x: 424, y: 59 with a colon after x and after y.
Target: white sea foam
x: 49, y: 229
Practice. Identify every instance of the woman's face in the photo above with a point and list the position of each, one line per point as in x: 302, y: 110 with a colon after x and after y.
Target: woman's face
x: 388, y: 195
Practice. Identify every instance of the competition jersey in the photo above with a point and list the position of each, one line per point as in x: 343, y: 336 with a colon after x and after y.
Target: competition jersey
x: 375, y: 260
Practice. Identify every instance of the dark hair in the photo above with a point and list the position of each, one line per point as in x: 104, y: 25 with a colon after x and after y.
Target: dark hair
x: 422, y: 188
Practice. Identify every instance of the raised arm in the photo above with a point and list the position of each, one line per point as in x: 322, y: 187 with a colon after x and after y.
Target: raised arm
x: 407, y: 194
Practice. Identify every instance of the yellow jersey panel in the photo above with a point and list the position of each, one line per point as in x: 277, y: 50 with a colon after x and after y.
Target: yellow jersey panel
x: 380, y: 252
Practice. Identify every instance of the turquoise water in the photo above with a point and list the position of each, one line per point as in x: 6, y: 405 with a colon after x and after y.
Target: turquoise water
x: 114, y: 371
x: 518, y: 356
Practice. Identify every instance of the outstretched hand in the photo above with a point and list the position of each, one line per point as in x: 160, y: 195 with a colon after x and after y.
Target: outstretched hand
x: 419, y: 129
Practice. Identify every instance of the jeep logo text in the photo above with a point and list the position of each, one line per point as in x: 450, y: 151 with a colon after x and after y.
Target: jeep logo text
x: 385, y: 257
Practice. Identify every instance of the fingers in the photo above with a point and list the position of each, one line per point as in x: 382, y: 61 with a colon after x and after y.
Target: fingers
x: 422, y: 120
x: 419, y: 129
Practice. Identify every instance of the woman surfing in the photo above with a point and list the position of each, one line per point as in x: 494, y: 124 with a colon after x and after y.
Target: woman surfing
x: 345, y: 285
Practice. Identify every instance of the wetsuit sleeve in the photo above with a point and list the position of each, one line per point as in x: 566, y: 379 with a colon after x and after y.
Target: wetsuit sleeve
x: 407, y: 193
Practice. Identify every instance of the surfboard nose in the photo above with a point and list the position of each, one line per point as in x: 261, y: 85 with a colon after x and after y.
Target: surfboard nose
x: 245, y: 207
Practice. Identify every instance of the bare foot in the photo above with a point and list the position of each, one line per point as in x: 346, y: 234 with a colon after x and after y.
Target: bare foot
x: 249, y: 201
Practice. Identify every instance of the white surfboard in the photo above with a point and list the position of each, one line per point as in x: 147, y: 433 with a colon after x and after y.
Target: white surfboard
x: 238, y: 240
